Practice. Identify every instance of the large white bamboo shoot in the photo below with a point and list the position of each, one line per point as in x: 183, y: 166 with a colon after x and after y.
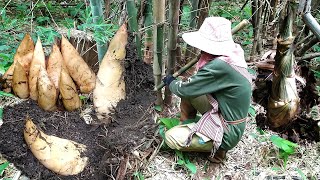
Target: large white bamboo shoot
x: 61, y: 156
x: 110, y: 85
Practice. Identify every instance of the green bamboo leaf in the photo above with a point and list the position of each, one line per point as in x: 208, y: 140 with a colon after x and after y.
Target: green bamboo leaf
x: 284, y: 155
x: 252, y: 71
x: 162, y: 131
x: 283, y: 144
x: 158, y: 108
x: 252, y: 111
x: 3, y: 167
x: 180, y: 162
x: 6, y: 94
x: 170, y: 122
x: 275, y: 169
x: 82, y: 97
x: 260, y: 131
x: 4, y: 47
x: 302, y: 175
x: 1, y: 114
x: 138, y: 176
x: 179, y: 154
x: 191, y: 167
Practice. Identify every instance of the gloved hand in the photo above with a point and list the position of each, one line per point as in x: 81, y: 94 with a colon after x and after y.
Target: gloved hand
x: 168, y: 79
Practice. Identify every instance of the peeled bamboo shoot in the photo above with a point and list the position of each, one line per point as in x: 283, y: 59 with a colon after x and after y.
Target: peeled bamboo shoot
x: 110, y: 85
x: 77, y: 67
x: 47, y: 93
x: 38, y: 60
x: 61, y: 156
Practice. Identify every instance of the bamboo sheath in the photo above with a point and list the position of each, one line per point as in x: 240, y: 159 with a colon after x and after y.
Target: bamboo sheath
x: 234, y: 30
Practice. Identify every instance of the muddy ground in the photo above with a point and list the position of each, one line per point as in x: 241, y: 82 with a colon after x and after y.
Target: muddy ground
x: 107, y: 146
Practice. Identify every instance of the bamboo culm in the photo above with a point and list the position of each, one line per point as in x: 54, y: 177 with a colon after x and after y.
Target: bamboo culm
x: 133, y: 24
x: 96, y: 8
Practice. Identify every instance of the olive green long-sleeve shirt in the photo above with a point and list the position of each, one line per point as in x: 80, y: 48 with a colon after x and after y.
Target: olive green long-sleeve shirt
x: 228, y: 87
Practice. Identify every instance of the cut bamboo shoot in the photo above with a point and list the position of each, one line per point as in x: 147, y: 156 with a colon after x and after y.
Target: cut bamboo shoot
x: 61, y: 156
x: 110, y: 85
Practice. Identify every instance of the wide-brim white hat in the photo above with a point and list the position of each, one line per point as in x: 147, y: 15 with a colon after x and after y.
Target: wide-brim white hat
x: 213, y: 37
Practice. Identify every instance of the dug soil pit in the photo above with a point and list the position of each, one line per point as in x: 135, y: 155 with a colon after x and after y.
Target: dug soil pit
x: 107, y: 146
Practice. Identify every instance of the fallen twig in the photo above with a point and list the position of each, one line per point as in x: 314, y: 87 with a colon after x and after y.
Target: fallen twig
x: 308, y: 56
x: 123, y: 168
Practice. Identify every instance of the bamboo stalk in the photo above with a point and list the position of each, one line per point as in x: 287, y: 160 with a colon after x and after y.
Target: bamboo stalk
x: 257, y: 21
x: 96, y: 8
x: 204, y: 7
x: 234, y: 30
x: 159, y: 19
x: 148, y: 44
x: 133, y: 24
x: 312, y: 23
x: 174, y: 7
x: 240, y: 26
x: 107, y: 8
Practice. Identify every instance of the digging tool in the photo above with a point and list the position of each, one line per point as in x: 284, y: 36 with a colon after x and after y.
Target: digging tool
x: 234, y: 30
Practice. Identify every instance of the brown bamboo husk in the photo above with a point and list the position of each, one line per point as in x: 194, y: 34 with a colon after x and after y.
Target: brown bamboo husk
x: 284, y: 100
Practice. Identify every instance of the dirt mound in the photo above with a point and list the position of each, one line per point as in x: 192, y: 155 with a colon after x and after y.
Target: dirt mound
x: 133, y: 122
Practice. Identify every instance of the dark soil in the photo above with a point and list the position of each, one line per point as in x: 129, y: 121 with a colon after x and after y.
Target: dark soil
x: 106, y: 145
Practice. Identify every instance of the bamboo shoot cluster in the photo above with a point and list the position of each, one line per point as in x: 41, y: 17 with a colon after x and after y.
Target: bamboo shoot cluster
x: 31, y: 76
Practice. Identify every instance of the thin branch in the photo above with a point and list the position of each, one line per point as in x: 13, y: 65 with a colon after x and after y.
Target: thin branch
x: 50, y: 14
x: 307, y: 46
x: 5, y: 7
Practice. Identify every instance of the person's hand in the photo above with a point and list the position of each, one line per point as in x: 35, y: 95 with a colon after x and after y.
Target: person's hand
x: 168, y: 79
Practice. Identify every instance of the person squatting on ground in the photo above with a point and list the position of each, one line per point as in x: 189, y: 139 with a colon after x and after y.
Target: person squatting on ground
x: 220, y: 90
